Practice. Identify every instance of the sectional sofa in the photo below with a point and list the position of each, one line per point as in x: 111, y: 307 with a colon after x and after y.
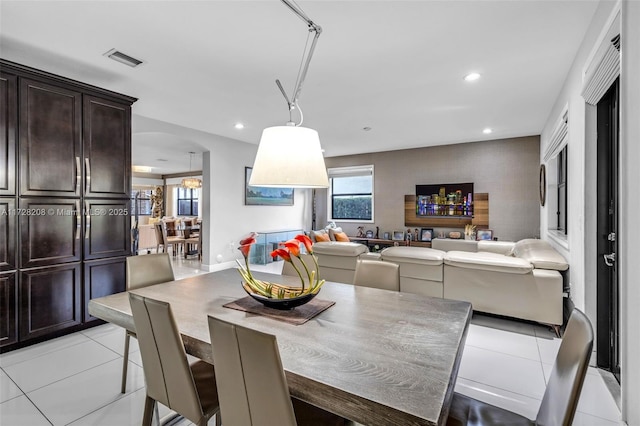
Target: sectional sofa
x: 521, y: 279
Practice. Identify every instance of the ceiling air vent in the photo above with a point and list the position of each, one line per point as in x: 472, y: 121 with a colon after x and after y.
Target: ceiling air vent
x: 116, y: 55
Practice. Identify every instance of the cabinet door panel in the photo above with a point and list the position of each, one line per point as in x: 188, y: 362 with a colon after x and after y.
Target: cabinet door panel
x: 50, y: 234
x: 7, y: 234
x: 102, y: 278
x: 50, y: 144
x: 107, y: 148
x: 8, y: 309
x: 49, y: 299
x: 8, y: 122
x: 107, y: 229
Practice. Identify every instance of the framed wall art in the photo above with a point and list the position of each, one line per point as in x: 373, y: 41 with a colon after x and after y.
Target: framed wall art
x: 398, y: 235
x: 484, y: 234
x: 426, y: 234
x: 264, y: 196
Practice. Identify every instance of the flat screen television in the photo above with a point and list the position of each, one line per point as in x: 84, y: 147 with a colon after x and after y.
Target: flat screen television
x: 445, y: 199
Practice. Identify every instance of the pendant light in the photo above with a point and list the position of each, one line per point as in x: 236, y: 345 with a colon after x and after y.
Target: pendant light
x: 191, y: 182
x: 291, y: 155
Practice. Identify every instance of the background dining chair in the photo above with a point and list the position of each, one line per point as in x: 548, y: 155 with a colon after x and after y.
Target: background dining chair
x: 165, y: 241
x: 188, y: 389
x: 561, y: 395
x: 377, y: 274
x: 143, y: 271
x: 251, y: 382
x: 189, y: 242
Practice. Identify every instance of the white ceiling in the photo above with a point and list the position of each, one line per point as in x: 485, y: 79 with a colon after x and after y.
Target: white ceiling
x: 394, y: 66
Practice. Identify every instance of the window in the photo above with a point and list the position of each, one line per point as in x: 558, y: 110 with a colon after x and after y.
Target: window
x: 351, y: 193
x: 562, y: 190
x: 143, y: 204
x: 557, y: 159
x: 187, y: 202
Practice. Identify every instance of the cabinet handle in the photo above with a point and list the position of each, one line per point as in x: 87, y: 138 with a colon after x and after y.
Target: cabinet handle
x: 87, y: 228
x: 78, y: 215
x: 87, y: 171
x: 78, y: 174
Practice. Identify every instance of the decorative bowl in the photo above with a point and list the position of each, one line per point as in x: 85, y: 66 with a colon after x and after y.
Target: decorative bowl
x: 281, y: 304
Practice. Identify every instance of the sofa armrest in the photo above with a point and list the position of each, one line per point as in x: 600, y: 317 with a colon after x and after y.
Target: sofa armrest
x: 540, y: 254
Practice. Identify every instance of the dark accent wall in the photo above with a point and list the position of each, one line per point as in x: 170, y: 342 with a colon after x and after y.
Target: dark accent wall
x: 506, y: 169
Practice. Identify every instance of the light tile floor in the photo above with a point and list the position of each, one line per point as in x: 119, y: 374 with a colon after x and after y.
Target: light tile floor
x: 75, y: 379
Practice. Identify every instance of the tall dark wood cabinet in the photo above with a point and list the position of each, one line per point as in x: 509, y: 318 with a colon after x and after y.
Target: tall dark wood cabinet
x: 65, y: 183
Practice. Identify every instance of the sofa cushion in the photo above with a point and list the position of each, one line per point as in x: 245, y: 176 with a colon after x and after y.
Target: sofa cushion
x: 486, y: 261
x: 420, y: 255
x: 448, y: 244
x: 335, y: 248
x: 540, y: 254
x: 500, y: 247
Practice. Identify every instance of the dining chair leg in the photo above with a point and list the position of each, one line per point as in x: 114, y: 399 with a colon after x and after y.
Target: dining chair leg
x: 150, y: 406
x: 125, y: 362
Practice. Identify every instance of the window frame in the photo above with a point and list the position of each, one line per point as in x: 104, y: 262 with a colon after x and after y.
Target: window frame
x: 193, y: 196
x: 350, y: 171
x: 140, y: 188
x: 562, y: 221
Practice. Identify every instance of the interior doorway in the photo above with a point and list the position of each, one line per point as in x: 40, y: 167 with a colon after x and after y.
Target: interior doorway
x: 608, y: 318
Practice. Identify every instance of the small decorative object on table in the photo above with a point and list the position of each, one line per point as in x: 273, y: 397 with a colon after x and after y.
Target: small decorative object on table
x: 469, y: 232
x: 281, y: 296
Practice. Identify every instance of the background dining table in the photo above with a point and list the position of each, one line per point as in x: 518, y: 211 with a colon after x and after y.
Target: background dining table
x: 376, y: 357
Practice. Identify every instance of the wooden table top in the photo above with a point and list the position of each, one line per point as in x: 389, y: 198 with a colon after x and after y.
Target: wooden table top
x: 376, y: 357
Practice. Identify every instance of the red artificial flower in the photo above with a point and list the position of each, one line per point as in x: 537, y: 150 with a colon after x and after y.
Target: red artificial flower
x: 245, y: 244
x: 250, y: 239
x: 283, y: 253
x: 306, y: 241
x: 293, y: 246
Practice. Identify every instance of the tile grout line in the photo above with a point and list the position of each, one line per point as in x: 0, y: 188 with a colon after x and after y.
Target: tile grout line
x: 28, y: 399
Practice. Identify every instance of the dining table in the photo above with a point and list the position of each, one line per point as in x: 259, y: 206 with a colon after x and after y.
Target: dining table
x: 376, y: 357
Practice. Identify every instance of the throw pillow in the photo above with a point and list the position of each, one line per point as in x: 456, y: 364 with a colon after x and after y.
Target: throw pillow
x: 333, y: 232
x: 342, y: 237
x: 322, y: 237
x: 314, y: 235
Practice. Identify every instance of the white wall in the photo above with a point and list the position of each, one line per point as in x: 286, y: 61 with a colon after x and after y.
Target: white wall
x: 629, y: 207
x: 582, y: 286
x: 230, y: 219
x: 582, y: 188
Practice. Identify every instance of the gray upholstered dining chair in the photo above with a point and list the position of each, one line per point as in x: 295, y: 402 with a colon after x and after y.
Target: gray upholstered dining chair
x: 377, y: 274
x: 560, y: 397
x: 251, y: 382
x: 162, y: 239
x: 143, y: 271
x: 188, y: 389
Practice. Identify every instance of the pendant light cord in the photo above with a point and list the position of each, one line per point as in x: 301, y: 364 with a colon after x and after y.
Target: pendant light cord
x: 304, y: 62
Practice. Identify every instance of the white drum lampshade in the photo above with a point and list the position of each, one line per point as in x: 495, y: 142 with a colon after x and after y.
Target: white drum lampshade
x: 289, y: 157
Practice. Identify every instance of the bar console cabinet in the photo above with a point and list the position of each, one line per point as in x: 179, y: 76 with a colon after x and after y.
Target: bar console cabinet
x: 65, y: 183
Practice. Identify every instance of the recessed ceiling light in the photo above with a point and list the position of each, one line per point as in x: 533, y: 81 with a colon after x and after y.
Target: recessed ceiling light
x: 239, y: 126
x: 472, y: 76
x: 142, y: 169
x: 123, y: 58
x: 487, y: 130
